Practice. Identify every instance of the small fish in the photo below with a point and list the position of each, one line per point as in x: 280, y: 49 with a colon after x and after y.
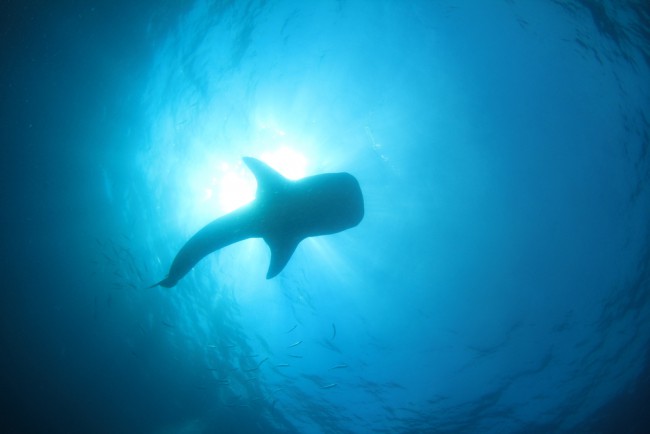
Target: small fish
x: 295, y: 344
x: 333, y: 331
x: 256, y: 367
x: 292, y: 328
x: 328, y: 386
x: 341, y: 366
x: 295, y: 356
x: 137, y: 271
x: 282, y: 365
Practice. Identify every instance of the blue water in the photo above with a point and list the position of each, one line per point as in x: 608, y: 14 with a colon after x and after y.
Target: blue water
x: 499, y: 282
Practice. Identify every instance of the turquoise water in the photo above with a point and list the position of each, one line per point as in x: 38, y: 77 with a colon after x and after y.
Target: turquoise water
x: 498, y: 283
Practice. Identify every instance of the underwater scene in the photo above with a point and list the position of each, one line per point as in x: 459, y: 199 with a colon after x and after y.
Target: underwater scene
x: 325, y: 216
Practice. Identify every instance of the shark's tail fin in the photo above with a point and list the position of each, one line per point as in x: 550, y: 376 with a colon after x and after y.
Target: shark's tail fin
x: 165, y: 283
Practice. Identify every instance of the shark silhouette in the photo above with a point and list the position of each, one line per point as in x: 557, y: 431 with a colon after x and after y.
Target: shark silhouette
x: 283, y: 213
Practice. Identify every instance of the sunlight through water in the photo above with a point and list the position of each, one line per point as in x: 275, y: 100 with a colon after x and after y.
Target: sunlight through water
x: 500, y: 217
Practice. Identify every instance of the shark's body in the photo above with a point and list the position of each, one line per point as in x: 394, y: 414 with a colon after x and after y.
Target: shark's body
x: 283, y: 213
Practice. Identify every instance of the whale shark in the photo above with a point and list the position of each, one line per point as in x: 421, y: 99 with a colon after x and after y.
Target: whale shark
x: 283, y: 213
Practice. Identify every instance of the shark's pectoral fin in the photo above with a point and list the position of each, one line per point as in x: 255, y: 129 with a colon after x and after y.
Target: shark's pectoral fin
x: 167, y: 282
x: 269, y: 181
x: 281, y: 251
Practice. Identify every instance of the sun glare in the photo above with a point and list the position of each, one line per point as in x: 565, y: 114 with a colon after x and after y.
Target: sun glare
x: 220, y: 182
x: 234, y: 185
x: 288, y: 162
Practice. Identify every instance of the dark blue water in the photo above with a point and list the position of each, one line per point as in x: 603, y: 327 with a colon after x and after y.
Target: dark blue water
x: 499, y: 282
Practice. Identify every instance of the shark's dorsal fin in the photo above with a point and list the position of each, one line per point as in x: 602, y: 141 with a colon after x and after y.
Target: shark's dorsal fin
x: 281, y: 251
x: 269, y: 181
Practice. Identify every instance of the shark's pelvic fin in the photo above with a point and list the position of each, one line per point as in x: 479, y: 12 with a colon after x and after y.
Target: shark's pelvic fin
x: 269, y: 181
